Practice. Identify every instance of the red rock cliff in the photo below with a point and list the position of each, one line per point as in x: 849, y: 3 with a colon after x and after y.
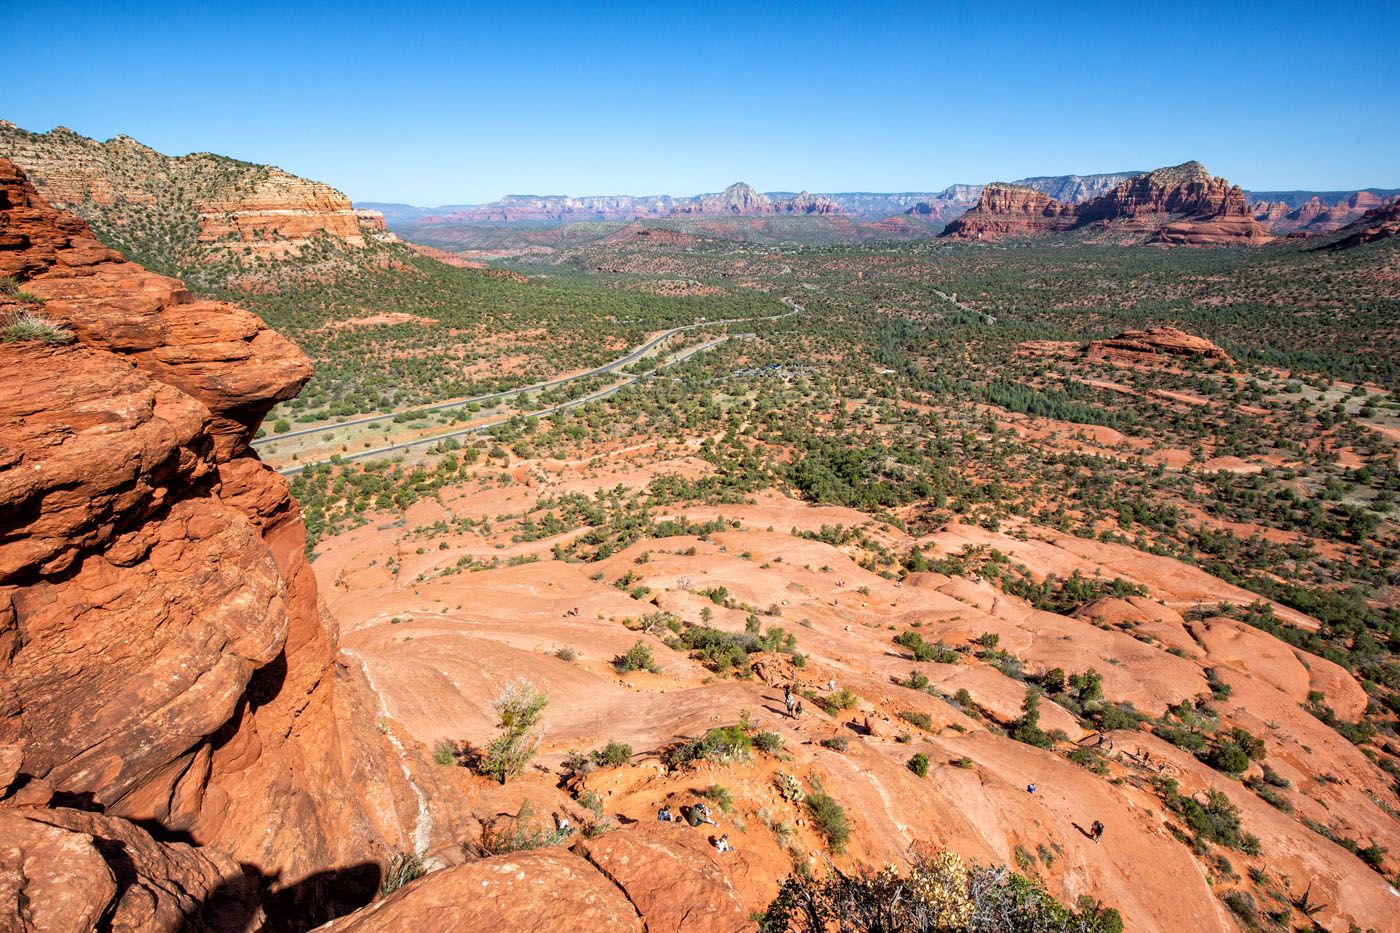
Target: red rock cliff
x: 165, y: 659
x: 1011, y: 210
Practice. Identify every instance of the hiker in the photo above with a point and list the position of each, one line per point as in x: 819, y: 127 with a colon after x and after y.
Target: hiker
x: 703, y: 812
x: 562, y: 825
x: 691, y: 815
x: 1096, y: 831
x: 1030, y: 788
x: 664, y: 815
x: 790, y: 701
x: 831, y: 685
x: 722, y: 844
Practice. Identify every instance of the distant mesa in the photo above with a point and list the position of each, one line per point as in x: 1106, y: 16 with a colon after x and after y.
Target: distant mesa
x: 1155, y: 345
x: 1182, y: 205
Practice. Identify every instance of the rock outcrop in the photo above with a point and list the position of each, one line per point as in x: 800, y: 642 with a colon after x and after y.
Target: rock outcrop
x: 1179, y: 206
x: 1155, y: 344
x: 1011, y: 211
x: 203, y: 207
x: 1381, y: 223
x: 165, y: 659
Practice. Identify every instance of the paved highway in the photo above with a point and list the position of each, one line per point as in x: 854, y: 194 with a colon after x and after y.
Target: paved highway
x: 679, y: 357
x: 615, y: 365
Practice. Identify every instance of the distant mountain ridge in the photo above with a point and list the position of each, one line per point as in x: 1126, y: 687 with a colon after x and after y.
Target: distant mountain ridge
x: 738, y: 199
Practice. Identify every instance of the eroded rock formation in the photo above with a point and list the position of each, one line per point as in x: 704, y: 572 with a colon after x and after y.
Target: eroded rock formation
x: 1155, y: 344
x: 167, y: 669
x: 1178, y: 206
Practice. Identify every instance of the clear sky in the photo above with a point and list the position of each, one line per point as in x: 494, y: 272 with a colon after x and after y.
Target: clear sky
x: 461, y: 102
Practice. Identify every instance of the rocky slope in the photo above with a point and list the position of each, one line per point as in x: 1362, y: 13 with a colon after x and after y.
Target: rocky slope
x: 1178, y: 206
x: 170, y: 702
x: 185, y: 210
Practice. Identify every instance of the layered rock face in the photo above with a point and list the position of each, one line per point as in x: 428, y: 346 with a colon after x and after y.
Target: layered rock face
x: 1011, y: 211
x: 167, y: 670
x: 219, y: 207
x: 1179, y: 206
x: 1155, y: 344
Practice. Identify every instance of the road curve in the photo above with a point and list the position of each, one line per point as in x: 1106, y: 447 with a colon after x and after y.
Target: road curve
x: 615, y: 365
x: 680, y: 357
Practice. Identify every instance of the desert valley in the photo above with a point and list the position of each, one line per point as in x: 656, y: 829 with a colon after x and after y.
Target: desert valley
x: 1015, y: 555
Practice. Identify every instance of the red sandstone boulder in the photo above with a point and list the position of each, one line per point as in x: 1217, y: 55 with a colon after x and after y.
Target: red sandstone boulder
x: 543, y: 889
x: 70, y: 870
x: 670, y: 875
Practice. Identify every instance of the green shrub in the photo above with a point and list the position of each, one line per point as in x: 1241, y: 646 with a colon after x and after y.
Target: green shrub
x: 722, y: 743
x: 918, y: 764
x: 768, y: 741
x: 637, y: 658
x: 721, y: 796
x: 830, y: 819
x: 613, y: 755
x: 519, y: 709
x: 923, y: 651
x: 922, y: 720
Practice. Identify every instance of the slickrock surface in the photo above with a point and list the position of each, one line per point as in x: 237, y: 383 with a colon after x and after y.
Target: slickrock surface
x: 547, y: 889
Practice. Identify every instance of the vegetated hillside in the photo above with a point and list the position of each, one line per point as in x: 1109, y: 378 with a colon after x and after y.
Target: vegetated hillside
x: 1178, y: 206
x: 215, y: 219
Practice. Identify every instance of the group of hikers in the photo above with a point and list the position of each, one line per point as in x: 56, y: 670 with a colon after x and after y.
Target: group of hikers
x: 695, y: 815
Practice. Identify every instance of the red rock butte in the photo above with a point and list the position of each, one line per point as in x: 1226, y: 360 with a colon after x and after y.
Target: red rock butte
x: 1179, y: 206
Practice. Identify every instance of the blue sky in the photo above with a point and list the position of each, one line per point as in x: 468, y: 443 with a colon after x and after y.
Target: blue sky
x: 461, y: 103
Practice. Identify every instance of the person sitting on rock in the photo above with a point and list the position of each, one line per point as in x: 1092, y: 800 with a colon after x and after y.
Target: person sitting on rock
x: 664, y: 815
x: 722, y: 844
x: 1030, y: 788
x: 703, y: 812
